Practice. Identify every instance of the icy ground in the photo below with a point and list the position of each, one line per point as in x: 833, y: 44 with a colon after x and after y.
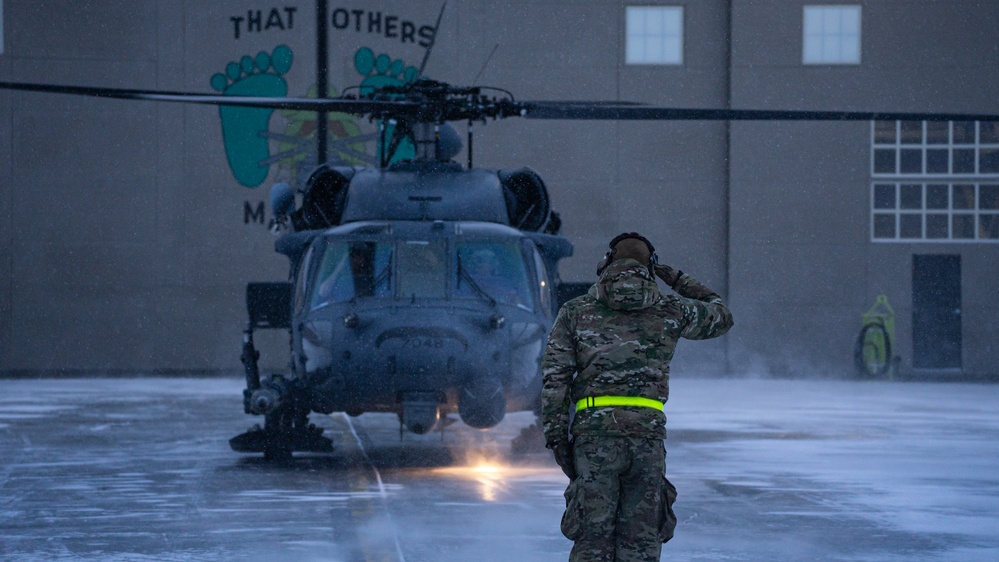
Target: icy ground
x: 766, y: 470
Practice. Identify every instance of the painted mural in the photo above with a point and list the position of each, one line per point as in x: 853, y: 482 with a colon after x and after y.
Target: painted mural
x: 245, y: 147
x: 247, y: 135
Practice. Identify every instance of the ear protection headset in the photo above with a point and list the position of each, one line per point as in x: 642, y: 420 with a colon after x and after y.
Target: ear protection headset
x: 608, y: 257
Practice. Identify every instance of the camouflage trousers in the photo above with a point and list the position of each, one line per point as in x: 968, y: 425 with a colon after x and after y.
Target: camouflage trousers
x: 614, y: 505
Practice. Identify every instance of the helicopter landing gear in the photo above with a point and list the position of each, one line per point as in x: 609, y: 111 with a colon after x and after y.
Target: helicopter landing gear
x: 286, y: 423
x: 284, y: 432
x: 289, y: 430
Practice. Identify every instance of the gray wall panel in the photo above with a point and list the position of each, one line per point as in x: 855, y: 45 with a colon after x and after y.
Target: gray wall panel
x: 549, y: 35
x: 96, y: 30
x: 822, y: 238
x: 8, y: 234
x: 958, y: 89
x: 980, y: 309
x: 931, y: 35
x: 673, y: 86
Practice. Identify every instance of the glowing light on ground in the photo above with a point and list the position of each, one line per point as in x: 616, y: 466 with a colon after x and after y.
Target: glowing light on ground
x: 492, y: 475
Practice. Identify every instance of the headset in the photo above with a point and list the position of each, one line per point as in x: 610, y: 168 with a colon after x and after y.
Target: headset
x: 653, y: 258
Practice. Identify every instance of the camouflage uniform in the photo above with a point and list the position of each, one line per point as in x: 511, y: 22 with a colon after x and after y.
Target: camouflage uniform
x: 618, y: 340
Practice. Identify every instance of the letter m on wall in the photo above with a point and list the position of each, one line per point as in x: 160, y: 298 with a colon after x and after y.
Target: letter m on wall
x: 253, y: 215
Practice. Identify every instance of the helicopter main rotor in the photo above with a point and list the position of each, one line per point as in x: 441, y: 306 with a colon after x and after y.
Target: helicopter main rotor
x: 430, y: 101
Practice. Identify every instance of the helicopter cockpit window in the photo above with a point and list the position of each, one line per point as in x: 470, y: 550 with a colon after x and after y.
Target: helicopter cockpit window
x: 544, y: 288
x: 422, y: 269
x: 301, y: 280
x: 492, y: 270
x: 349, y: 270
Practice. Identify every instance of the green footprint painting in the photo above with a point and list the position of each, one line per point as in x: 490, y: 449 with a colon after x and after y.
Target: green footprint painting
x: 244, y: 130
x: 382, y: 71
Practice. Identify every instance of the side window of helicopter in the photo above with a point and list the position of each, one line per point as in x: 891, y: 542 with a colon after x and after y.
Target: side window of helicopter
x: 301, y: 285
x: 544, y: 284
x: 492, y: 270
x: 422, y: 269
x: 349, y: 270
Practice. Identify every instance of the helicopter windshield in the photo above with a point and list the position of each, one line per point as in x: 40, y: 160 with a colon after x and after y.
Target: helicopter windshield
x: 492, y: 270
x: 422, y: 269
x: 349, y: 270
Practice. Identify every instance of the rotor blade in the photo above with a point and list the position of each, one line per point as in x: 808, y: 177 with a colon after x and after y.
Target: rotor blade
x: 355, y: 107
x: 605, y: 111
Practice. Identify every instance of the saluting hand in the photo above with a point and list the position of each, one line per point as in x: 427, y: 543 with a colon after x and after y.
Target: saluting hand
x: 669, y: 275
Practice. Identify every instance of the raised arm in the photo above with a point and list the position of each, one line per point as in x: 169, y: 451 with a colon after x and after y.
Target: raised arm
x: 707, y: 314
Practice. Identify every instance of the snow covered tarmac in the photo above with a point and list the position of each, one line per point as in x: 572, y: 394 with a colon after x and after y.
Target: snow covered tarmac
x: 766, y: 470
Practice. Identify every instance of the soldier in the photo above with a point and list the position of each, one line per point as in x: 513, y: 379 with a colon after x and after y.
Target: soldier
x: 608, y: 362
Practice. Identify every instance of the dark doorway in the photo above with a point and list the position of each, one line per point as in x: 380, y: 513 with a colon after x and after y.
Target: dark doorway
x: 936, y: 312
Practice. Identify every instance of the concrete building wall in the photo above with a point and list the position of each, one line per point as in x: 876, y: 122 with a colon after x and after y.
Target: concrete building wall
x: 129, y: 231
x: 803, y: 266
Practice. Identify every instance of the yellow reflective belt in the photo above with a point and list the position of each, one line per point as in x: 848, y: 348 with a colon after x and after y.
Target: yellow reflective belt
x: 599, y: 401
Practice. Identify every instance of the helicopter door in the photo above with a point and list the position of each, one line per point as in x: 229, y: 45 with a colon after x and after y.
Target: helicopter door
x: 936, y: 311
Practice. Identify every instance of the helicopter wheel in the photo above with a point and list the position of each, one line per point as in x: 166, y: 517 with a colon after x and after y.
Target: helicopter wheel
x: 288, y: 430
x: 278, y: 435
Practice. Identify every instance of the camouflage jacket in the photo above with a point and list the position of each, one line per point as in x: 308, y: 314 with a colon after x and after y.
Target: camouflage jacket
x: 618, y: 340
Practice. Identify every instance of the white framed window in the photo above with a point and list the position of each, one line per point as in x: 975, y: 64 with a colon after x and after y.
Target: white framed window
x: 935, y: 148
x: 831, y: 35
x: 935, y: 211
x: 653, y: 35
x: 935, y: 181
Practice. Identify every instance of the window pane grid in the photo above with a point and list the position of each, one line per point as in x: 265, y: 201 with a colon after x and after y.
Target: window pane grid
x: 654, y: 35
x: 934, y: 211
x: 927, y: 148
x: 831, y: 35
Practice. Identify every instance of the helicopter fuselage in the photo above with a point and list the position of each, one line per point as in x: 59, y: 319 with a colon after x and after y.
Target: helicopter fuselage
x: 421, y: 318
x: 421, y: 289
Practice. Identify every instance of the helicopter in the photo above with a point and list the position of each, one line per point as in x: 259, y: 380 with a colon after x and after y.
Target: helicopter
x: 426, y: 287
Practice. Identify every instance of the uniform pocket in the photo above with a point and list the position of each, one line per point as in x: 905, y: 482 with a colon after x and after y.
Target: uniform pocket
x: 572, y: 526
x: 667, y: 519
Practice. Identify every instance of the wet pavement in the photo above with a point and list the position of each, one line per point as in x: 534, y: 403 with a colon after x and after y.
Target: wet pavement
x: 140, y: 469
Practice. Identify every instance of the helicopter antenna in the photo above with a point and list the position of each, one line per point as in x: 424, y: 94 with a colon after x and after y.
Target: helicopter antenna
x: 474, y: 82
x: 433, y: 40
x: 483, y: 69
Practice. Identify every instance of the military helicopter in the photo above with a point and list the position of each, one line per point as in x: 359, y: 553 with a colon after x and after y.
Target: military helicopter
x: 422, y: 287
